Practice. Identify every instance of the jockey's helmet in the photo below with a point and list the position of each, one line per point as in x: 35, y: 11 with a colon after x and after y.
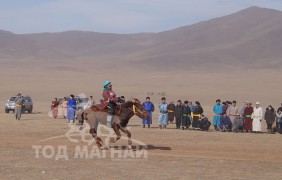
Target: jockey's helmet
x: 106, y: 83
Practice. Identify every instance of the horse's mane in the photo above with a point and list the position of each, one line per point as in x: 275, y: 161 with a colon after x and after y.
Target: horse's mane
x: 130, y: 102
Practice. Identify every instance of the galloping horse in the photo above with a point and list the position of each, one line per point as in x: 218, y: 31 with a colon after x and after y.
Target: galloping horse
x: 124, y: 111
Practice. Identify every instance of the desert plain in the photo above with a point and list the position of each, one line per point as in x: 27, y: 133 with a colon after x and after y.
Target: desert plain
x: 237, y: 57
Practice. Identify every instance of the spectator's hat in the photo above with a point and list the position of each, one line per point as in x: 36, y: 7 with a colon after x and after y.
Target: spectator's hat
x: 19, y: 94
x: 257, y: 103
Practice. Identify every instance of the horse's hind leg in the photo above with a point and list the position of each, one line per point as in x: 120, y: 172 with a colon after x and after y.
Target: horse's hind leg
x: 126, y: 131
x: 116, y: 129
x: 81, y: 120
x: 98, y: 140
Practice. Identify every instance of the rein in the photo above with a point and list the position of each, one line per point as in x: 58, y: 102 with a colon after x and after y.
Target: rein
x: 134, y: 109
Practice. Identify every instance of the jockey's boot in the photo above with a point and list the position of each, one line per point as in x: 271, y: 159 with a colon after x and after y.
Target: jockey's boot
x: 109, y: 120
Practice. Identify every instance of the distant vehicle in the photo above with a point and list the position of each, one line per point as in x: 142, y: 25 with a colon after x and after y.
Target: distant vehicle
x: 10, y: 105
x: 162, y: 94
x: 81, y: 102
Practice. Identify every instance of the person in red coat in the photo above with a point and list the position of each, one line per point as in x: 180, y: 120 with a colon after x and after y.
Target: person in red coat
x: 248, y: 117
x: 54, y: 107
x: 110, y: 100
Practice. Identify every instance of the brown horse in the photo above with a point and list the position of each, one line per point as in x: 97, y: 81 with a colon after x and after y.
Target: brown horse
x: 124, y: 112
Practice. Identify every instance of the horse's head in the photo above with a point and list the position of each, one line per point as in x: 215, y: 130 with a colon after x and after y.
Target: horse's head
x: 137, y: 108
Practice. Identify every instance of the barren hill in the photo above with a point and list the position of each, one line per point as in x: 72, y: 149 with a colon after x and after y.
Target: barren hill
x: 250, y: 38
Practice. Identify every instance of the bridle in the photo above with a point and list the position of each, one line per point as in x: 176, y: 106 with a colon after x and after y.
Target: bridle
x: 134, y: 109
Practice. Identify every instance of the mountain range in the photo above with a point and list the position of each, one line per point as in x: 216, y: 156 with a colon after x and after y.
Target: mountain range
x: 250, y: 38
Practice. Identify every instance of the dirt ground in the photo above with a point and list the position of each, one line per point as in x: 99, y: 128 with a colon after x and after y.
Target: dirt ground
x: 171, y: 154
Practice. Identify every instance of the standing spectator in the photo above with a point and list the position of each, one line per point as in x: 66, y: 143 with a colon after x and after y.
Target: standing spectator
x: 54, y: 106
x: 178, y: 114
x: 149, y: 107
x: 163, y: 116
x: 65, y: 107
x: 191, y: 105
x: 218, y: 110
x: 204, y: 123
x: 257, y: 118
x: 248, y: 117
x: 269, y: 116
x: 171, y: 109
x: 91, y: 102
x: 229, y: 104
x: 224, y: 107
x: 60, y: 107
x: 278, y: 125
x: 243, y: 108
x: 198, y: 110
x: 71, y: 109
x: 186, y: 112
x: 279, y: 121
x: 19, y: 104
x: 280, y: 108
x: 232, y: 111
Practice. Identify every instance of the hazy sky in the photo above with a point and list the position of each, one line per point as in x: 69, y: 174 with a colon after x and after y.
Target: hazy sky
x: 117, y: 16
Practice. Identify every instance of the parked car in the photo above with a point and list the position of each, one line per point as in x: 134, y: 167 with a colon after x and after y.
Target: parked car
x: 10, y: 105
x: 82, y: 102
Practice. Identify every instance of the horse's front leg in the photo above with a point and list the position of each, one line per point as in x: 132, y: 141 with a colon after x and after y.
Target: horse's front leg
x: 116, y: 129
x: 128, y: 133
x: 98, y: 140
